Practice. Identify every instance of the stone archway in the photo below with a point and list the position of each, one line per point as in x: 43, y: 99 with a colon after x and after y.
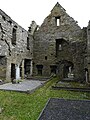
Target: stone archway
x: 65, y: 69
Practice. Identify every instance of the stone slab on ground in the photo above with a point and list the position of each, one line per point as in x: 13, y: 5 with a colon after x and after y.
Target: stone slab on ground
x: 24, y: 86
x: 61, y: 109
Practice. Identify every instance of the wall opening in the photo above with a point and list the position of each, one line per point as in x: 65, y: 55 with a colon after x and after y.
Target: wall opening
x: 67, y: 68
x: 20, y: 71
x: 65, y: 71
x: 13, y: 72
x: 57, y: 20
x: 2, y: 60
x: 14, y: 36
x: 45, y: 57
x: 28, y: 48
x: 53, y: 69
x: 27, y: 66
x: 61, y: 45
x: 39, y: 69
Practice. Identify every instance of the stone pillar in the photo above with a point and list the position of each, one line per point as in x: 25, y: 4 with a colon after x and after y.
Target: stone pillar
x: 17, y: 72
x: 8, y: 72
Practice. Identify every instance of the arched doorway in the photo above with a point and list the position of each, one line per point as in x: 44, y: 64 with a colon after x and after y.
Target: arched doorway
x: 65, y: 69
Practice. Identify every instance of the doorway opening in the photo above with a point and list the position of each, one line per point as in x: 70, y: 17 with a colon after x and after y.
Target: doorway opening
x: 27, y: 66
x: 39, y: 69
x: 66, y: 69
x: 13, y: 72
x: 53, y: 69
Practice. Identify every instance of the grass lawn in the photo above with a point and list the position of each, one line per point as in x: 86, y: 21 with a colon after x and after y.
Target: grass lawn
x: 21, y: 106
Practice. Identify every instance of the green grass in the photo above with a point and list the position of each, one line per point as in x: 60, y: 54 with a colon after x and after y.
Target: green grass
x: 21, y: 106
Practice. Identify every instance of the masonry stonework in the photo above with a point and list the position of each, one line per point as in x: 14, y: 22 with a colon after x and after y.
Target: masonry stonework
x: 59, y: 46
x: 13, y: 47
x: 63, y: 45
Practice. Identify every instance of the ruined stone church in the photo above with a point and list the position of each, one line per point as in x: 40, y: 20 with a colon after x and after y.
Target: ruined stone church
x: 59, y: 46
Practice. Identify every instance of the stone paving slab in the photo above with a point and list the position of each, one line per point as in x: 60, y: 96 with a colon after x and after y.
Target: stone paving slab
x: 24, y: 86
x: 60, y: 109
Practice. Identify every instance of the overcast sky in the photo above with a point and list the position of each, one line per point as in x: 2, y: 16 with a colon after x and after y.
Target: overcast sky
x: 24, y: 11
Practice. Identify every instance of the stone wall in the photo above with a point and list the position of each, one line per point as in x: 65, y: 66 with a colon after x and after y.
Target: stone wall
x: 58, y: 46
x: 45, y: 43
x: 14, y: 48
x: 3, y: 66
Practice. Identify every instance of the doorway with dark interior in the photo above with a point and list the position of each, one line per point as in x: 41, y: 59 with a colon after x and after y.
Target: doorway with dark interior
x: 27, y: 67
x: 39, y: 70
x: 13, y: 72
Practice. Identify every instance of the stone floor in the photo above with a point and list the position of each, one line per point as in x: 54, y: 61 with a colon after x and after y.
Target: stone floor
x: 60, y: 109
x: 24, y: 86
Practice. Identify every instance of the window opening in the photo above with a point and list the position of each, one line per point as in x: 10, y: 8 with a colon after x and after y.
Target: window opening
x: 27, y: 66
x: 14, y: 36
x: 3, y: 18
x: 39, y: 69
x: 57, y: 21
x: 45, y: 57
x: 28, y: 43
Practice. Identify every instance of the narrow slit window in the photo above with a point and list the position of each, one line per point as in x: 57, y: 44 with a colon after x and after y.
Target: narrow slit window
x: 28, y: 43
x: 14, y: 36
x: 3, y: 18
x: 57, y: 21
x: 45, y: 57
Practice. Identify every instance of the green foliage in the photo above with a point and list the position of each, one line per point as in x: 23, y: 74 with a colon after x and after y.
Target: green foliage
x: 21, y: 106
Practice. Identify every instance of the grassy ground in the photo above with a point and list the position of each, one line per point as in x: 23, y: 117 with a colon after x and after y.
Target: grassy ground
x: 21, y: 106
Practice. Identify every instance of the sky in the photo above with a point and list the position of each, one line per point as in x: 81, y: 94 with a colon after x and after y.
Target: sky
x: 25, y: 11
